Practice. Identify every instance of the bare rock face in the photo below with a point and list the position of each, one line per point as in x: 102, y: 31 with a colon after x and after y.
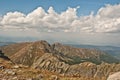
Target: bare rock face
x: 51, y: 63
x: 115, y: 76
x: 85, y: 69
x: 88, y: 69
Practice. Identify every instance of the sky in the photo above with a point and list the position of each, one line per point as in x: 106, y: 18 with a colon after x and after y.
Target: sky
x: 95, y: 22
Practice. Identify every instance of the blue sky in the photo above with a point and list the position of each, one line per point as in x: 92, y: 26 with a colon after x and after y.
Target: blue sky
x: 26, y: 6
x: 52, y: 20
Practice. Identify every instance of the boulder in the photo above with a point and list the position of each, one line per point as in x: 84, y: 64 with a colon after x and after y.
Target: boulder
x: 54, y: 77
x: 115, y: 76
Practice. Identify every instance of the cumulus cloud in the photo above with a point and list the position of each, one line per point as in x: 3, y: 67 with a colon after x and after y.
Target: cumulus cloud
x: 107, y: 19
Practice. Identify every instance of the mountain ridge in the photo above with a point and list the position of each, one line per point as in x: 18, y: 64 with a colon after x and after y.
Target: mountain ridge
x: 112, y: 50
x: 56, y: 48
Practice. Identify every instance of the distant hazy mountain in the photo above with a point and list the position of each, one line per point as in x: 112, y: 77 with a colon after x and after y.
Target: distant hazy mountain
x: 5, y: 43
x: 112, y: 50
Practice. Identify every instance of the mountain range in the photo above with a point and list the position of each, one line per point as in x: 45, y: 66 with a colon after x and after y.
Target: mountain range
x: 64, y: 60
x: 112, y: 50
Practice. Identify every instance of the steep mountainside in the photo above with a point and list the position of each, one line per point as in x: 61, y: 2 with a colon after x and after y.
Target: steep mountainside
x: 82, y: 55
x: 66, y: 60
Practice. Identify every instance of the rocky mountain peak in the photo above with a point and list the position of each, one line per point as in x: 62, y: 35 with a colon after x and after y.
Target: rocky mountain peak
x: 42, y: 42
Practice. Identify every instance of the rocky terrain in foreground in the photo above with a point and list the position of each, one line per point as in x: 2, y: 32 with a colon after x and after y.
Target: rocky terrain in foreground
x: 42, y: 61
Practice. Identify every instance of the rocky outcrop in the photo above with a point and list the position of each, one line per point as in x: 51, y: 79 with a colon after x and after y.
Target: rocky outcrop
x: 51, y: 63
x: 115, y: 76
x: 85, y: 69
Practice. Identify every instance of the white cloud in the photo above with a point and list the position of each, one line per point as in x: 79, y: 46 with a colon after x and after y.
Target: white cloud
x: 13, y: 18
x: 109, y: 11
x: 107, y: 19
